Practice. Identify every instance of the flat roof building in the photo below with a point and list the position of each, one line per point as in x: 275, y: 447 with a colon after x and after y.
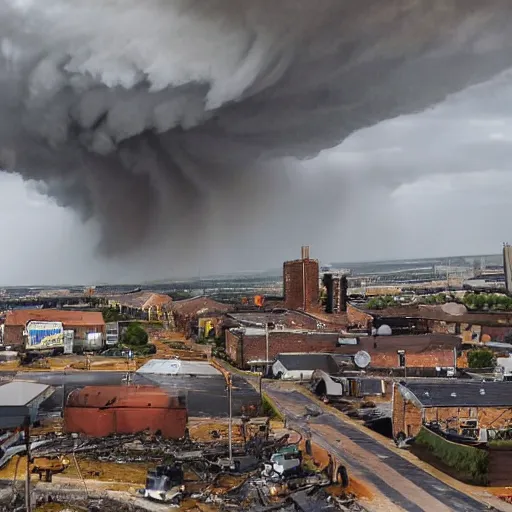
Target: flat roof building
x: 81, y: 323
x: 20, y: 401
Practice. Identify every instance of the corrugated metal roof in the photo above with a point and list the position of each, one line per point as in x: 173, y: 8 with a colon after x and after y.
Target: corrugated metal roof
x: 461, y: 394
x: 19, y: 393
x: 297, y: 362
x: 177, y: 367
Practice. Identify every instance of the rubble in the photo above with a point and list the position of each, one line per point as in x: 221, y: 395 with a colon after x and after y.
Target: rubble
x: 261, y: 473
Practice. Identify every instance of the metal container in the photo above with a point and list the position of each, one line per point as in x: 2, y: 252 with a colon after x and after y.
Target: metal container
x: 94, y: 341
x: 98, y: 411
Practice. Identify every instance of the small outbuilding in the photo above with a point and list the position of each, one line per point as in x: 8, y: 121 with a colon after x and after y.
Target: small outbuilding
x: 20, y: 401
x: 298, y: 366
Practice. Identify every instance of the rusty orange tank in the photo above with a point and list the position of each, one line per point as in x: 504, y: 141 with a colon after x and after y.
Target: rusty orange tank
x: 98, y: 411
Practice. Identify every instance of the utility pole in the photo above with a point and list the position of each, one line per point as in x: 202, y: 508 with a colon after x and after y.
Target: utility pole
x: 230, y: 424
x: 26, y: 431
x: 266, y: 347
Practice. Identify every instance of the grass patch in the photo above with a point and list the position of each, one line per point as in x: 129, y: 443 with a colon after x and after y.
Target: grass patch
x: 505, y: 444
x: 270, y: 409
x: 471, y: 464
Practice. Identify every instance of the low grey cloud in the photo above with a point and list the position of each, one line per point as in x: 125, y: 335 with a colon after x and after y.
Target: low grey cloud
x: 174, y: 133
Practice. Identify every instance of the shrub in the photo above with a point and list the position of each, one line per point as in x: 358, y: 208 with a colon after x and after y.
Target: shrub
x: 470, y: 463
x: 134, y: 335
x: 481, y: 358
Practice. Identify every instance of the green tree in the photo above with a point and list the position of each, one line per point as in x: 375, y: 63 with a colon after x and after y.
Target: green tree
x: 134, y: 335
x: 480, y: 301
x: 481, y: 358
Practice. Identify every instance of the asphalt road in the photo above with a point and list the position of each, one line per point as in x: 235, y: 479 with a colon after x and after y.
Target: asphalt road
x: 411, y: 489
x: 206, y: 396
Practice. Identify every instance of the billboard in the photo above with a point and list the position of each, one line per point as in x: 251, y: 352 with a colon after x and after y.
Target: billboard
x: 44, y: 335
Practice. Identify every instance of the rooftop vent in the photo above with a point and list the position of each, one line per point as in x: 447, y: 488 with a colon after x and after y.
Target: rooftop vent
x: 454, y: 395
x: 482, y: 391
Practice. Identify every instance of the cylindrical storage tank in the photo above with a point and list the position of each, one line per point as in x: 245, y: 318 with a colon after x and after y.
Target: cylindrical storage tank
x: 98, y: 411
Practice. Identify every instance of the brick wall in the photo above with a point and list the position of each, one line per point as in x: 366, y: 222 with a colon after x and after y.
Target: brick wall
x: 296, y: 274
x: 432, y: 359
x: 358, y: 319
x: 442, y: 327
x: 496, y: 333
x: 233, y: 346
x: 242, y: 348
x: 406, y: 416
x: 488, y: 417
x: 13, y: 335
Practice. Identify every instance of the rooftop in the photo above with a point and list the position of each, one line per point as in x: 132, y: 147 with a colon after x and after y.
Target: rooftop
x: 294, y: 362
x: 20, y: 393
x: 177, y: 367
x: 412, y: 344
x: 20, y: 317
x: 199, y: 306
x: 143, y: 300
x: 455, y: 393
x: 288, y: 318
x: 437, y: 313
x: 260, y: 331
x: 20, y: 400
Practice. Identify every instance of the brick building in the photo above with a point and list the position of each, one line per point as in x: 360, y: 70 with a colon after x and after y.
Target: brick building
x: 428, y: 351
x: 301, y: 282
x: 81, y: 322
x: 465, y: 406
x: 191, y: 315
x: 472, y: 326
x: 279, y: 318
x: 244, y: 345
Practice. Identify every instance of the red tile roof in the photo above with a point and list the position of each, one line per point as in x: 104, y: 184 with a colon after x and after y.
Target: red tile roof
x: 20, y: 317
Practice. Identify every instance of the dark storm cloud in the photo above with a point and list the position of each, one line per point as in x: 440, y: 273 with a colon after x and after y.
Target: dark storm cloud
x: 167, y: 120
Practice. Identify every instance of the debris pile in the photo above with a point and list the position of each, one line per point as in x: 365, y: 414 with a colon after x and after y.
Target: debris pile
x: 257, y: 472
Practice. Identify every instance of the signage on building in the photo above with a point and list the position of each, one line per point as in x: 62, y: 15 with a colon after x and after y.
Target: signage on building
x: 69, y: 338
x: 347, y: 341
x: 44, y: 335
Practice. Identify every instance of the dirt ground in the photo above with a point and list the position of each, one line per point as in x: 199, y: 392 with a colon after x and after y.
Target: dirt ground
x: 168, y: 344
x: 133, y: 474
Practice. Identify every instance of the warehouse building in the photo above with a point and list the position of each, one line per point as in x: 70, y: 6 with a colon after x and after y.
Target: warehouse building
x: 245, y: 346
x: 44, y: 328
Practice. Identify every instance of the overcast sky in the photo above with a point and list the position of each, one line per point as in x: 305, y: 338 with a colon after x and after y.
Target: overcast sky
x: 436, y: 183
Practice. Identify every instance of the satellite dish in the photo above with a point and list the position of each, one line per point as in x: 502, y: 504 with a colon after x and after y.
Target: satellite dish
x: 454, y: 309
x: 384, y: 330
x: 362, y: 359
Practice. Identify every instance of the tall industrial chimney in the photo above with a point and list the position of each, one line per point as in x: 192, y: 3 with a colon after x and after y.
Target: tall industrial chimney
x: 305, y: 252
